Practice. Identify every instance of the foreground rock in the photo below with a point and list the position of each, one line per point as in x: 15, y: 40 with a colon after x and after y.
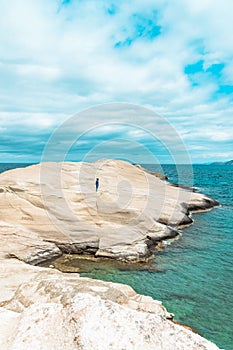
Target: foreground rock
x: 48, y: 310
x: 50, y: 208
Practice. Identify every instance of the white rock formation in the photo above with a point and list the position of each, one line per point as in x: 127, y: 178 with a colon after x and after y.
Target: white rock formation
x: 55, y: 311
x: 50, y: 208
x: 53, y: 207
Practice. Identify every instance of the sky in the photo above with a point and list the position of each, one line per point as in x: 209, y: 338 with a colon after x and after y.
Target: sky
x: 173, y: 58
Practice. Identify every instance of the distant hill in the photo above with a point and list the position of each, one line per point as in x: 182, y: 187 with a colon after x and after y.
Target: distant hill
x: 229, y: 162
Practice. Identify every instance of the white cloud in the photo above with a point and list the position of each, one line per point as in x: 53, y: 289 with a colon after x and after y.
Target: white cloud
x: 56, y: 60
x: 39, y: 72
x: 12, y: 120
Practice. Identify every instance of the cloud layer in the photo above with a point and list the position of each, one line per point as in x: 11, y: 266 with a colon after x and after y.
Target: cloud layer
x: 59, y: 57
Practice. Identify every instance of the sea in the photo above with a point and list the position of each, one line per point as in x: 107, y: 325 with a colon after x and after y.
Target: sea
x: 192, y: 276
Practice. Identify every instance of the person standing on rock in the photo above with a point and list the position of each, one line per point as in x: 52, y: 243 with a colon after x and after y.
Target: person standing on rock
x: 97, y: 184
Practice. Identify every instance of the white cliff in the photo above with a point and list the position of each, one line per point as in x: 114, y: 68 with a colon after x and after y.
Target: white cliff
x: 49, y: 310
x: 52, y: 208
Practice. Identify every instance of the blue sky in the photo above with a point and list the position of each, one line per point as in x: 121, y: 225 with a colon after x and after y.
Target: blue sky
x: 58, y: 58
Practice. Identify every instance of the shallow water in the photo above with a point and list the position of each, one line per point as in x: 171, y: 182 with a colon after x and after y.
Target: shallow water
x: 193, y: 276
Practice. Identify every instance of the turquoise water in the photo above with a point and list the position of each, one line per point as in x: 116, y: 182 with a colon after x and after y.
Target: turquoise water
x: 193, y: 276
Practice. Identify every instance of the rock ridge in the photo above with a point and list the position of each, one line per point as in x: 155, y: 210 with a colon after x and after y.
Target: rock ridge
x: 52, y: 208
x: 45, y: 309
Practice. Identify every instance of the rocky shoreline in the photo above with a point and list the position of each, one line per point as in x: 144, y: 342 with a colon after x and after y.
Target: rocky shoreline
x: 49, y: 310
x: 52, y: 208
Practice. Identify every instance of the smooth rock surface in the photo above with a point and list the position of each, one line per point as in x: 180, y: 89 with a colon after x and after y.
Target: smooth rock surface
x: 55, y: 311
x: 50, y: 208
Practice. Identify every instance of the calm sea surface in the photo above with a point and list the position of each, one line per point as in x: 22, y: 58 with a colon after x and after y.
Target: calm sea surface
x: 194, y: 275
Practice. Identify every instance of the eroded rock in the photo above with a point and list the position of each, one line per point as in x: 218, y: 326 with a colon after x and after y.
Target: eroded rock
x: 59, y: 311
x: 50, y: 208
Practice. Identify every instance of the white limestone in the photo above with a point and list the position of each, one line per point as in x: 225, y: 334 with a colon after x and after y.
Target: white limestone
x: 49, y: 208
x: 53, y: 207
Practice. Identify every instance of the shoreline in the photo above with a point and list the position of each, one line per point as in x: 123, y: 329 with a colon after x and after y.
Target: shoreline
x: 158, y: 247
x: 144, y: 220
x: 42, y: 294
x: 39, y: 299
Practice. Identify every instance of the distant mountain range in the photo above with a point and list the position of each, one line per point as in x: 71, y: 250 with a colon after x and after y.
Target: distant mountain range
x: 229, y: 162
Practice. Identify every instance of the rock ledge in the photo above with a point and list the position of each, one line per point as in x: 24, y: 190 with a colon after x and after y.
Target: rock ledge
x: 51, y: 208
x: 47, y: 209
